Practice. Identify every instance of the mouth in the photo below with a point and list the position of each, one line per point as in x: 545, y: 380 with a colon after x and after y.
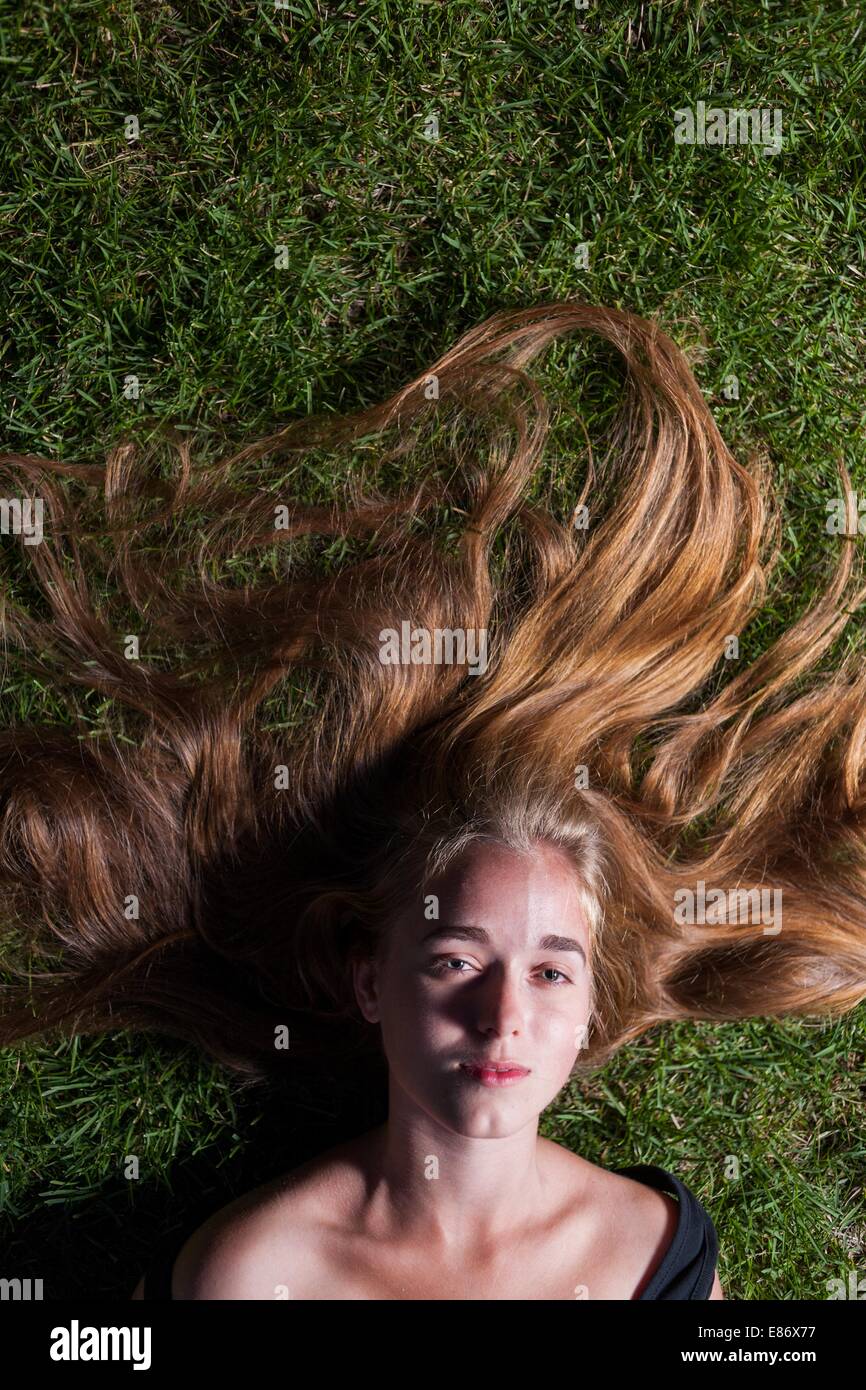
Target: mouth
x: 495, y: 1073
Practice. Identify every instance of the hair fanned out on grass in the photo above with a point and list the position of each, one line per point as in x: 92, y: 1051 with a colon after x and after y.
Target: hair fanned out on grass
x: 260, y: 858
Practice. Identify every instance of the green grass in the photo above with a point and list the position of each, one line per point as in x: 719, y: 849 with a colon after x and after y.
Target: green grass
x: 305, y: 128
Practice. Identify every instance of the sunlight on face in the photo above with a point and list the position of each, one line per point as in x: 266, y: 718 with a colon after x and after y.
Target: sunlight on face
x: 501, y: 975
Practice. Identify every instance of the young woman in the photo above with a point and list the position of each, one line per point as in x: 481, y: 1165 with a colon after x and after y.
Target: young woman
x: 491, y: 842
x: 456, y: 1196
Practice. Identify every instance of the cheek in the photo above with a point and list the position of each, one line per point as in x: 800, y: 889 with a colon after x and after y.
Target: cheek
x: 410, y: 1008
x: 563, y: 1021
x: 560, y: 1021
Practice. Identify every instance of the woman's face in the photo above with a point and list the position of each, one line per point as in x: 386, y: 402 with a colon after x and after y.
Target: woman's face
x: 501, y: 973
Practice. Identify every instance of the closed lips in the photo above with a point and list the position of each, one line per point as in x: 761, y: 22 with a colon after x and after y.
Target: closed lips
x: 495, y: 1066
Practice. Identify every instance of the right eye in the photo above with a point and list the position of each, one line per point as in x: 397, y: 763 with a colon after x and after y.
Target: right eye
x: 440, y: 966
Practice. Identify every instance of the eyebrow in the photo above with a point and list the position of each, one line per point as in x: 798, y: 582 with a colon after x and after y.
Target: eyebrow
x: 545, y: 943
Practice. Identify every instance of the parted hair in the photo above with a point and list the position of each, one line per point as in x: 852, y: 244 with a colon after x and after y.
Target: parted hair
x: 208, y: 873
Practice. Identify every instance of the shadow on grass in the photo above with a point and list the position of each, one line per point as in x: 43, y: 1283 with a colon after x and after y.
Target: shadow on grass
x: 99, y: 1249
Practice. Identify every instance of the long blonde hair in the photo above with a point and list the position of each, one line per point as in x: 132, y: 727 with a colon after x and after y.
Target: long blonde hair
x: 260, y: 858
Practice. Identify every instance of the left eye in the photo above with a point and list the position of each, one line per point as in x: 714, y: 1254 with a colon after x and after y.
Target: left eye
x: 556, y: 972
x: 441, y: 967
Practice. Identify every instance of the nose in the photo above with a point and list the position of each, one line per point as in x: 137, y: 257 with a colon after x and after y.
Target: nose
x: 498, y: 1003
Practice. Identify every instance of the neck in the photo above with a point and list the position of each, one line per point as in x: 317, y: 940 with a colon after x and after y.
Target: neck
x: 453, y: 1192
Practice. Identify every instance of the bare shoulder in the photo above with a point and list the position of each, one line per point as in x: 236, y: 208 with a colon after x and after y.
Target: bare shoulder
x: 646, y: 1217
x: 645, y: 1221
x: 620, y: 1199
x: 628, y: 1219
x: 661, y: 1214
x: 261, y: 1245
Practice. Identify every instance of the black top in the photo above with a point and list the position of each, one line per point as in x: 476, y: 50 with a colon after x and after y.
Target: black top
x: 686, y: 1271
x: 688, y: 1266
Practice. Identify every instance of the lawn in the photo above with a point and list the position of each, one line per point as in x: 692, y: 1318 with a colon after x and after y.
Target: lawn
x: 228, y: 215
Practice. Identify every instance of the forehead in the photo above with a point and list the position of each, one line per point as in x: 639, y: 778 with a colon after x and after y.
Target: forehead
x: 513, y: 896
